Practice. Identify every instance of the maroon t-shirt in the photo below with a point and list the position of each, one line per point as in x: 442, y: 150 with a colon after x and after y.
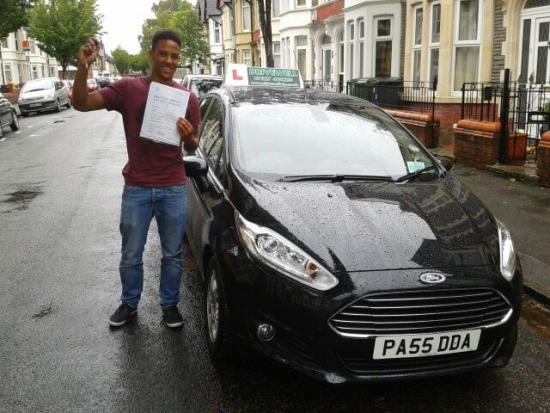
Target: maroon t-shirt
x: 149, y: 164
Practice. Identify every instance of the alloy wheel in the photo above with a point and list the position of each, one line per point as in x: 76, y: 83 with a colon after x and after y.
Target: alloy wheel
x: 213, y: 308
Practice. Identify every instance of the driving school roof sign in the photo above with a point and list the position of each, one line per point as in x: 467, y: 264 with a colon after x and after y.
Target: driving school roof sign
x: 242, y: 75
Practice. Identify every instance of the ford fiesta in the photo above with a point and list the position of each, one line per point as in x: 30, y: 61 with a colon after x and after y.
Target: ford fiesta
x: 331, y: 240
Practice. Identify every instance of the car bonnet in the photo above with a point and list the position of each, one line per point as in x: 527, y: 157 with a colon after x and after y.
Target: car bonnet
x: 366, y: 226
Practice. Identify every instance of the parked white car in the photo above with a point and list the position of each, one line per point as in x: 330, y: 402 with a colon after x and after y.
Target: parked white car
x: 42, y: 95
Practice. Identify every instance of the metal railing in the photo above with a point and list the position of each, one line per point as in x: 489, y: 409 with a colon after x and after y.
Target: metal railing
x: 519, y: 108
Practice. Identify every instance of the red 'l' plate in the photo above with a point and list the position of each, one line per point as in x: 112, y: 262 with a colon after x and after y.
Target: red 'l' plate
x: 236, y: 75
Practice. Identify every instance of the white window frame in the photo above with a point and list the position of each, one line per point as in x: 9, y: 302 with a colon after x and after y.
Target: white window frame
x: 361, y: 39
x: 434, y: 43
x: 217, y: 33
x: 468, y: 43
x: 276, y: 8
x: 247, y: 57
x: 417, y: 44
x: 8, y: 73
x: 382, y: 38
x: 301, y: 49
x: 351, y: 48
x: 245, y: 14
x: 277, y: 54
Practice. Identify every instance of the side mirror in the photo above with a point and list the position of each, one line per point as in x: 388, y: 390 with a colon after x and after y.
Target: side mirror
x: 197, y: 168
x: 445, y: 163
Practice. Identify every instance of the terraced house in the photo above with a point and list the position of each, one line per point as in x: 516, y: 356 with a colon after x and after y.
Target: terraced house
x: 444, y: 43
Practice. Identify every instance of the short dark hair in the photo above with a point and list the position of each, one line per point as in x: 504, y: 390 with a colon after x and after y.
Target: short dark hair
x: 166, y: 34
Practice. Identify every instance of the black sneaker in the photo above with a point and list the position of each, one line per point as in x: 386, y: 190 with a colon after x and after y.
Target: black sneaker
x: 122, y: 315
x: 172, y: 317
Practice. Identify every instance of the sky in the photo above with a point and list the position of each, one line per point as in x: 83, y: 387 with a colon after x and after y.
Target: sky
x: 122, y: 22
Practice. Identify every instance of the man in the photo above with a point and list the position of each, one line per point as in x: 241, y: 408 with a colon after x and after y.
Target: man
x: 154, y: 175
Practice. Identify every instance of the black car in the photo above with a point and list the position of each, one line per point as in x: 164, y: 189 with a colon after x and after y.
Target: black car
x: 8, y: 115
x: 331, y: 240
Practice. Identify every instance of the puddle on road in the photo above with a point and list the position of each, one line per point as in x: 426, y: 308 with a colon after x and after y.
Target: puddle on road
x: 21, y: 199
x: 536, y: 316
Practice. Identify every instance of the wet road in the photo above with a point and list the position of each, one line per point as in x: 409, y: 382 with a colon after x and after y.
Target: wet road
x: 60, y: 186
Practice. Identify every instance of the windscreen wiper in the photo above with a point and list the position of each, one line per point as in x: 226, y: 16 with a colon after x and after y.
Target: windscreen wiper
x: 415, y: 174
x: 334, y: 178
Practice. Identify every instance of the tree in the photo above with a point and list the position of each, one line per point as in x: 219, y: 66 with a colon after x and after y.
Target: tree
x: 122, y: 61
x: 140, y: 63
x: 62, y: 26
x: 194, y: 46
x: 162, y: 12
x: 14, y: 16
x: 264, y: 10
x: 181, y: 16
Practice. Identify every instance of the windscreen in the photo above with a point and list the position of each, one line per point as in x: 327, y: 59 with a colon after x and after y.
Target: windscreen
x: 40, y: 84
x: 323, y: 139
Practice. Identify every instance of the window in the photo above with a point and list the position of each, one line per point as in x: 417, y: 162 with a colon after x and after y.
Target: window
x: 4, y: 43
x: 351, y: 49
x: 34, y: 72
x: 383, y: 48
x: 7, y: 72
x: 217, y: 33
x: 435, y: 28
x: 326, y: 56
x: 247, y: 57
x: 301, y: 50
x: 300, y: 3
x: 417, y: 43
x: 275, y: 8
x: 246, y: 15
x: 277, y: 54
x: 467, y: 43
x: 361, y: 24
x: 211, y: 139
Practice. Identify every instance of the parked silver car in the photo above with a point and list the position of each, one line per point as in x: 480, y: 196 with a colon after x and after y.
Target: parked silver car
x: 8, y: 115
x: 201, y: 84
x: 41, y: 95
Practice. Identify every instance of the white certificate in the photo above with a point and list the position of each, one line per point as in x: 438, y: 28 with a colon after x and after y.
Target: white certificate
x: 165, y: 104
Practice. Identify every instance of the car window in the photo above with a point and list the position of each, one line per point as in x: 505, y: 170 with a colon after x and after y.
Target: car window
x: 211, y: 139
x: 323, y: 139
x: 35, y: 85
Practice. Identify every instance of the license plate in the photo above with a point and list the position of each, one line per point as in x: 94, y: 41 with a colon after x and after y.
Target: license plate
x: 35, y: 105
x: 425, y: 345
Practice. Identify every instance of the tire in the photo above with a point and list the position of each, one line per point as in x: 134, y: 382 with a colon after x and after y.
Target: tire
x: 14, y: 122
x: 24, y: 114
x: 68, y: 105
x: 1, y: 131
x: 58, y: 107
x: 219, y: 332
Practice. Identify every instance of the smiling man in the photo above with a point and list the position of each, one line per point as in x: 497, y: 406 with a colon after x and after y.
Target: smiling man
x: 155, y: 179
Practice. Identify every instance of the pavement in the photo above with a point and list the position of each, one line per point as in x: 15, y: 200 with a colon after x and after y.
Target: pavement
x: 536, y: 270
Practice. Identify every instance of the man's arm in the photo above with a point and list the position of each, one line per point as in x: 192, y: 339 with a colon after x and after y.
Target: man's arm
x: 82, y: 99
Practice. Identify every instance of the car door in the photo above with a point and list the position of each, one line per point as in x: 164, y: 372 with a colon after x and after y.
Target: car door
x: 5, y: 111
x: 211, y: 148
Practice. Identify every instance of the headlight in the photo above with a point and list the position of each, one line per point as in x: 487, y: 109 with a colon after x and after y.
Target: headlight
x: 50, y: 95
x: 507, y: 252
x: 283, y: 256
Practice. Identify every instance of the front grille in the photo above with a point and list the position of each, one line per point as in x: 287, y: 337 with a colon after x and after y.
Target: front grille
x: 423, y: 311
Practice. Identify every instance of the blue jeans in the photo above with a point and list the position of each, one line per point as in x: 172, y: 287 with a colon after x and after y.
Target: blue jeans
x: 139, y: 206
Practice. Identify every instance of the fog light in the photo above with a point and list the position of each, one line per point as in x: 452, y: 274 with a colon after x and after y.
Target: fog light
x: 266, y: 332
